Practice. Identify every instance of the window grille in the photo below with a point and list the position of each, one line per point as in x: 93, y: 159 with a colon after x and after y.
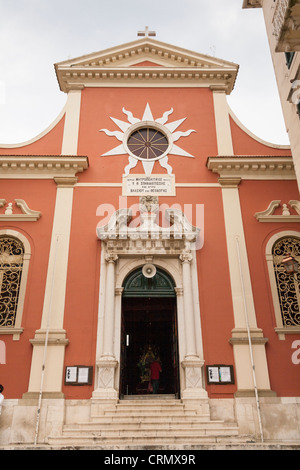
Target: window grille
x: 287, y: 284
x: 11, y: 266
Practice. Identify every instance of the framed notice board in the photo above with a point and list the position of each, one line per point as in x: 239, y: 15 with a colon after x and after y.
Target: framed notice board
x: 79, y: 375
x: 220, y: 374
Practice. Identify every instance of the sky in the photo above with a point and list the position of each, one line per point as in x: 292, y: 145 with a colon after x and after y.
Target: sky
x: 36, y: 34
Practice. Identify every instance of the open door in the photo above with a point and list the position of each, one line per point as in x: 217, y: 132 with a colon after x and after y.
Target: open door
x: 149, y: 330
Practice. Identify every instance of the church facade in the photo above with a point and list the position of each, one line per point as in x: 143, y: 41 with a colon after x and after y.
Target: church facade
x: 148, y: 223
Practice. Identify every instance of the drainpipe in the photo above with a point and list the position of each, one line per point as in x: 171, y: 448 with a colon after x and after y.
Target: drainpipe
x: 45, y: 349
x: 250, y: 342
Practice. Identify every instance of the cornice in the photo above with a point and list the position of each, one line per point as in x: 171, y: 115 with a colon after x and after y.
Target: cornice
x: 150, y: 47
x: 172, y: 66
x: 41, y: 166
x: 253, y: 167
x: 79, y: 78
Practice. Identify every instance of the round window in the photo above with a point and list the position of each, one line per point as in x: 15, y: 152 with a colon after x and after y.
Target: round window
x: 147, y: 143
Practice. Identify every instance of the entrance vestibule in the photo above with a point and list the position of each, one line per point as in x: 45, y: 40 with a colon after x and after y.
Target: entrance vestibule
x: 148, y: 331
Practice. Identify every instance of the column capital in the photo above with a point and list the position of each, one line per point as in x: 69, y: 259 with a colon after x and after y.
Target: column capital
x: 119, y: 290
x: 178, y: 291
x: 111, y: 258
x: 227, y: 182
x: 186, y: 257
x: 65, y: 181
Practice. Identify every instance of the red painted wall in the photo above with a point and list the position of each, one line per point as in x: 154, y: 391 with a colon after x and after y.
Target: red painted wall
x: 39, y: 195
x: 256, y: 197
x: 81, y: 310
x: 49, y: 144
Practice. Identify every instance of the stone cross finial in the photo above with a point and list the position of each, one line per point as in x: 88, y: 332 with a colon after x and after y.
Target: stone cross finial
x: 146, y: 33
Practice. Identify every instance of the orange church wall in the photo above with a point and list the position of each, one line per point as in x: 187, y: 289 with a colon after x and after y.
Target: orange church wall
x: 49, y: 144
x: 216, y: 308
x: 82, y: 290
x: 244, y: 144
x: 39, y: 195
x: 82, y: 295
x: 255, y: 197
x: 99, y: 104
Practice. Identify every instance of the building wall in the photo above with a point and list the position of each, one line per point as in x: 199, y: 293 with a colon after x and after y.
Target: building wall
x: 97, y: 193
x: 287, y: 78
x: 89, y: 209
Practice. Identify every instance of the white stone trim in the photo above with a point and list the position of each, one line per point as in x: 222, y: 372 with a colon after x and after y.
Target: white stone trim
x: 116, y: 67
x: 17, y: 329
x: 242, y: 297
x: 253, y: 167
x: 224, y: 138
x: 268, y: 214
x: 41, y: 166
x: 60, y: 248
x: 235, y: 231
x: 54, y: 298
x: 253, y: 136
x: 71, y: 129
x: 280, y: 329
x: 133, y: 251
x: 28, y: 215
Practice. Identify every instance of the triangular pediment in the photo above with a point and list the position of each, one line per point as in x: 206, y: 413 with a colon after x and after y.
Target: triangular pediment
x: 151, y: 60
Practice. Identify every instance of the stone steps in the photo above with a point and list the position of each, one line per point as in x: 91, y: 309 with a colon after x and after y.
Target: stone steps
x: 146, y: 422
x: 141, y: 425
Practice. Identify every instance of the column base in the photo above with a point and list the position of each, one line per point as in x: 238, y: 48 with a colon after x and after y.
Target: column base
x: 193, y: 379
x: 106, y: 379
x: 105, y: 394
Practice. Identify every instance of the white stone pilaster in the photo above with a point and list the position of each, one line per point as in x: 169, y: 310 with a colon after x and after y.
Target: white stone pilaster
x: 107, y: 363
x: 242, y: 298
x: 190, y: 338
x: 71, y: 129
x: 192, y: 363
x: 223, y: 130
x: 51, y: 335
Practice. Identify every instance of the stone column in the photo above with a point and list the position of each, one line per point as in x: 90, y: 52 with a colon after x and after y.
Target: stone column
x: 192, y: 363
x: 107, y: 363
x: 190, y: 339
x: 109, y: 317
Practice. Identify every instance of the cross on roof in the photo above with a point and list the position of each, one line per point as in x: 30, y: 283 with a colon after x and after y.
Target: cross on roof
x: 146, y: 33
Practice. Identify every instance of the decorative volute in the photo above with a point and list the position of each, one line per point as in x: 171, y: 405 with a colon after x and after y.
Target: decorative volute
x: 179, y: 228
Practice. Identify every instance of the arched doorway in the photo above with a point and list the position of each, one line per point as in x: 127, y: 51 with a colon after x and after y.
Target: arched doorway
x: 149, y: 330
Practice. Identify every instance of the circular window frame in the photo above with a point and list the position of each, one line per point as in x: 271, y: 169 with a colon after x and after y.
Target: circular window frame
x: 151, y: 125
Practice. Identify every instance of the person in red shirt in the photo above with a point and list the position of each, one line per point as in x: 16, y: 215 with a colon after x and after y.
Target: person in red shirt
x: 155, y: 369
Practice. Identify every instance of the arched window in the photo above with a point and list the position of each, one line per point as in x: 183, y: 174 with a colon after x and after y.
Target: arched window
x: 287, y: 284
x: 15, y: 253
x: 285, y: 287
x: 11, y: 266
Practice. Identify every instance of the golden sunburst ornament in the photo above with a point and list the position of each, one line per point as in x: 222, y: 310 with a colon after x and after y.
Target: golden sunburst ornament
x: 147, y: 140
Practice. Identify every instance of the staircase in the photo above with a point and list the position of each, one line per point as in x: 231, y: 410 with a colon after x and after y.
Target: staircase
x: 159, y: 421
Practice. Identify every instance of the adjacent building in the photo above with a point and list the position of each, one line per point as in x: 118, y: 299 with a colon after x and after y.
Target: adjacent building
x: 282, y: 19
